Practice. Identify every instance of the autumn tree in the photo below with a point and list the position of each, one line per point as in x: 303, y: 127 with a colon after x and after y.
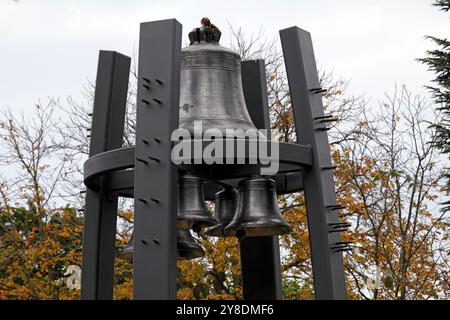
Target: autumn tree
x: 40, y: 223
x: 38, y: 239
x: 389, y: 181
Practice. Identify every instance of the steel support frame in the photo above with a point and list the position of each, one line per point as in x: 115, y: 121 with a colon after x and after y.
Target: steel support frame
x: 260, y: 256
x: 99, y: 232
x: 156, y: 203
x: 155, y: 181
x: 318, y: 183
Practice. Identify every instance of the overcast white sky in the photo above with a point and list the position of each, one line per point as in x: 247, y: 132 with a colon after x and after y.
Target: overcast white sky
x: 50, y: 47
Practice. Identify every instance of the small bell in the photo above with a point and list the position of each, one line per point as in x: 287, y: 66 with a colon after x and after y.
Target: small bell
x: 192, y: 212
x: 187, y: 247
x: 225, y: 207
x: 257, y: 213
x: 127, y: 251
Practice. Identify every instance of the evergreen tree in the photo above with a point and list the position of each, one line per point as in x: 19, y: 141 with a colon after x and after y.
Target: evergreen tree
x: 438, y: 61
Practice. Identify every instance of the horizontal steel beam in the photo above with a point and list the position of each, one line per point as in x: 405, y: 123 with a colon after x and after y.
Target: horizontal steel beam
x: 292, y: 158
x: 106, y: 162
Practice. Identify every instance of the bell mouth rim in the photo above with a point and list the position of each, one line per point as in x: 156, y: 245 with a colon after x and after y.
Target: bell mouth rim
x: 199, y: 252
x: 258, y: 230
x: 196, y: 217
x: 195, y: 223
x: 194, y: 251
x: 257, y: 179
x: 218, y: 231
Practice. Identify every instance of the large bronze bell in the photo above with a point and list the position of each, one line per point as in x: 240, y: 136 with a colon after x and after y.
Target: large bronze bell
x: 224, y: 209
x: 211, y: 85
x: 192, y: 212
x: 187, y: 247
x: 257, y: 213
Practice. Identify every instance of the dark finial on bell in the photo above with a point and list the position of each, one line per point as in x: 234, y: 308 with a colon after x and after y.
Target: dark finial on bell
x: 257, y: 214
x: 192, y: 212
x: 207, y: 33
x: 187, y: 247
x: 225, y: 207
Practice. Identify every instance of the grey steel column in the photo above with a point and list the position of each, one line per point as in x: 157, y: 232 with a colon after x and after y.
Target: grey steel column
x: 155, y: 183
x: 327, y: 262
x: 260, y: 256
x: 99, y: 233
